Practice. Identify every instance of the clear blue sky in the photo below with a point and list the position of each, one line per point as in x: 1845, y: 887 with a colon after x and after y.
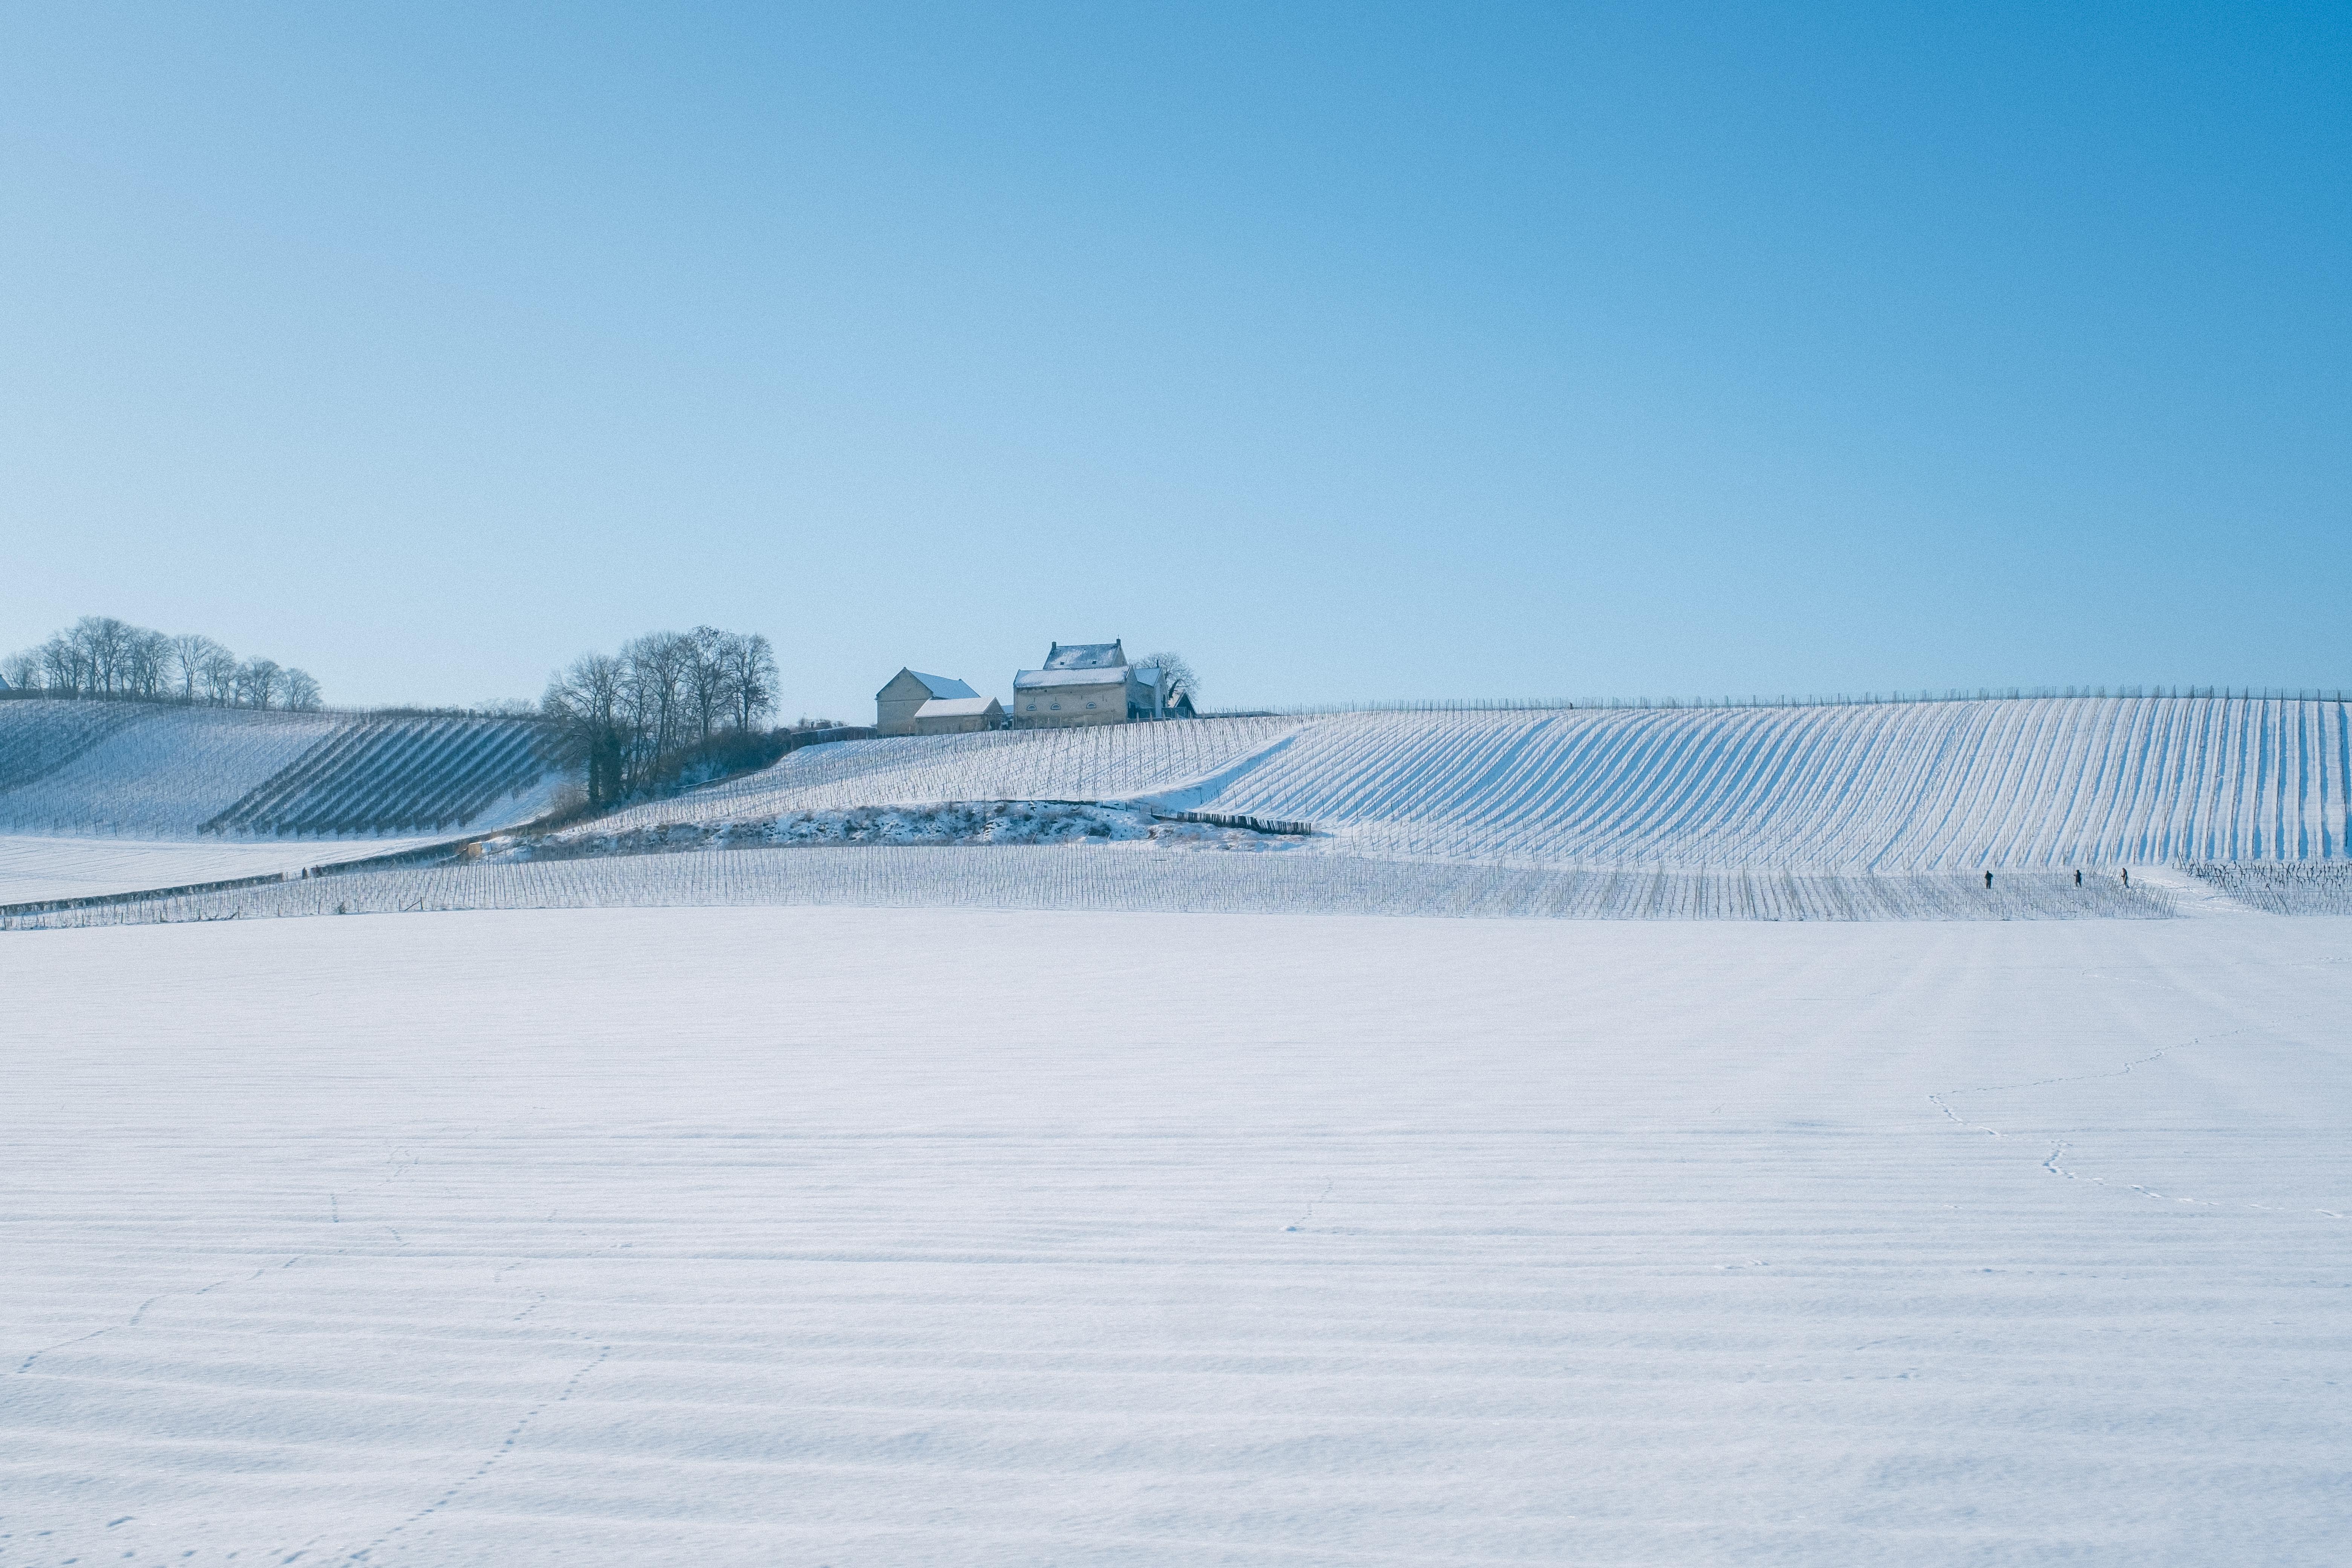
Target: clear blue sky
x: 1356, y: 351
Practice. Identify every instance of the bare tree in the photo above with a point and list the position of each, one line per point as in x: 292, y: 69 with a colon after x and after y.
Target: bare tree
x: 146, y: 663
x: 100, y: 643
x: 629, y: 719
x: 99, y: 655
x: 661, y: 666
x: 190, y: 650
x: 220, y: 672
x: 1176, y: 678
x: 257, y: 681
x: 301, y: 691
x: 587, y: 704
x: 750, y: 676
x: 60, y: 669
x: 706, y: 679
x: 22, y: 671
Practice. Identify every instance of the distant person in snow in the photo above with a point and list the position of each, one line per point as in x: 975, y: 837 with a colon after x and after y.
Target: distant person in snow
x: 2078, y: 879
x: 2126, y: 876
x: 1987, y: 878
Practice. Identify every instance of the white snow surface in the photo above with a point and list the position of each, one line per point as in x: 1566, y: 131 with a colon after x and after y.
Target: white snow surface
x: 2050, y: 783
x: 1107, y: 763
x: 165, y: 776
x: 1152, y: 876
x: 756, y: 1237
x: 38, y: 868
x: 2027, y: 784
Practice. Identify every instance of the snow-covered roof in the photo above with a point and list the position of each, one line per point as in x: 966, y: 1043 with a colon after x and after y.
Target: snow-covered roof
x: 1031, y: 679
x: 955, y: 706
x: 942, y: 685
x: 1086, y: 656
x: 1147, y: 673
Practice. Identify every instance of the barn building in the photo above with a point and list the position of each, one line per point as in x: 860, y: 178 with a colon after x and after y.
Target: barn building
x: 1086, y: 683
x: 903, y: 697
x: 959, y: 716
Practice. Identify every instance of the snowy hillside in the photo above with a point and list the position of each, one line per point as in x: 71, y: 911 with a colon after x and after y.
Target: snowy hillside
x: 1114, y: 763
x: 1916, y: 786
x: 138, y: 771
x: 1886, y: 786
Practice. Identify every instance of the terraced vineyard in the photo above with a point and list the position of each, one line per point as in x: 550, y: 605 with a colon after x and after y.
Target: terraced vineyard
x: 1142, y: 880
x: 38, y: 738
x: 395, y: 776
x: 2022, y: 784
x: 161, y: 775
x: 2289, y: 888
x: 2025, y: 782
x: 1112, y: 763
x: 140, y: 770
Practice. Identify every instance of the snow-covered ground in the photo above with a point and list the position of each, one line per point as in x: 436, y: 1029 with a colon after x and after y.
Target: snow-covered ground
x: 147, y: 774
x: 990, y: 822
x: 35, y: 867
x: 1113, y: 762
x: 2046, y: 783
x: 2025, y: 783
x: 794, y: 1235
x: 1140, y: 877
x: 160, y: 776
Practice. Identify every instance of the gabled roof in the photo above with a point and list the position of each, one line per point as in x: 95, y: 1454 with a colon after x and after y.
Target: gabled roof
x: 956, y: 707
x: 1086, y: 656
x: 1031, y: 679
x: 937, y: 685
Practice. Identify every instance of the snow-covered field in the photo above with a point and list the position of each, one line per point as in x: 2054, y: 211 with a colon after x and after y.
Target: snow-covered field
x: 2027, y: 784
x: 1898, y: 801
x: 151, y: 772
x: 35, y: 867
x: 1115, y: 763
x: 904, y: 1237
x: 112, y: 797
x: 1143, y: 876
x: 163, y: 775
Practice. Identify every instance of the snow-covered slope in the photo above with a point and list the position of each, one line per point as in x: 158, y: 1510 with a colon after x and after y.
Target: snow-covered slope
x: 1114, y: 763
x: 739, y: 1238
x: 137, y: 771
x: 1889, y: 786
x: 162, y: 776
x: 39, y: 867
x: 2051, y: 783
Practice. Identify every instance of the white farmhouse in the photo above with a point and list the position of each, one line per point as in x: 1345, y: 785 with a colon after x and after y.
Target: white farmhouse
x: 1086, y: 683
x: 904, y: 695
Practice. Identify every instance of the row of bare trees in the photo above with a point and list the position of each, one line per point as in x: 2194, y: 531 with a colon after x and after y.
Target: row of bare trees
x: 99, y: 655
x: 624, y: 716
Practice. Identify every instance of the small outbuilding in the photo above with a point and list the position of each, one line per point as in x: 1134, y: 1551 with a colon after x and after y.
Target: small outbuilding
x: 959, y: 715
x: 903, y: 696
